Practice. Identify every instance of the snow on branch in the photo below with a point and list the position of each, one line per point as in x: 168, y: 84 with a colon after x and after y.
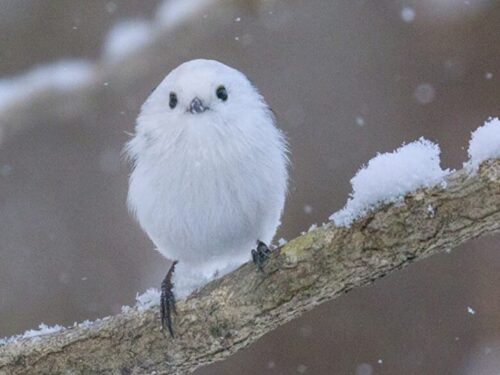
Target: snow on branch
x: 388, y: 177
x: 484, y: 144
x: 230, y: 313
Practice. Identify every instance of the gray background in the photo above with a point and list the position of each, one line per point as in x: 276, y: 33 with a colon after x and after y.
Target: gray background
x: 69, y: 251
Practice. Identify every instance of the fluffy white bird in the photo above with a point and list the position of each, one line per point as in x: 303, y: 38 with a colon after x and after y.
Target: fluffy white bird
x: 209, y: 174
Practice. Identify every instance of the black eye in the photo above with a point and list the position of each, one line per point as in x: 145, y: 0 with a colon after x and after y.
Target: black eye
x: 173, y: 100
x: 221, y: 93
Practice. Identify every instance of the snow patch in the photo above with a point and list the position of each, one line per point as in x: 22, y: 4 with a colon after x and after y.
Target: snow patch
x: 64, y: 75
x: 85, y: 324
x: 360, y: 121
x: 408, y: 14
x: 148, y: 299
x: 125, y: 38
x: 43, y: 329
x: 484, y: 144
x: 172, y: 13
x: 145, y: 301
x: 389, y: 176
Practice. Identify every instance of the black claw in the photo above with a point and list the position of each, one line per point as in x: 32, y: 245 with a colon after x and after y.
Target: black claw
x: 261, y: 255
x: 167, y: 306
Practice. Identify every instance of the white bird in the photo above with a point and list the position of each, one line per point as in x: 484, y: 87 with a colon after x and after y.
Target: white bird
x: 210, y: 173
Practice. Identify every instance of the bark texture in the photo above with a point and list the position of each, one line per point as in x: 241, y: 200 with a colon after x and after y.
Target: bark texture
x: 231, y: 313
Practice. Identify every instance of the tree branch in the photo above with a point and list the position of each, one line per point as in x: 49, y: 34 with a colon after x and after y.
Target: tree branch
x: 231, y: 313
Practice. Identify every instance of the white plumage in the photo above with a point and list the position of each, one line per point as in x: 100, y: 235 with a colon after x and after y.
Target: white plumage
x: 205, y: 186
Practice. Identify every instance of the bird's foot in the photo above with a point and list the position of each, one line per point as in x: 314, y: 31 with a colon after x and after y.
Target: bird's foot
x: 260, y: 255
x: 168, y: 301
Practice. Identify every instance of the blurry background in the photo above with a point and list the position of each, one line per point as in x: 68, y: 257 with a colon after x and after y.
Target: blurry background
x: 346, y: 79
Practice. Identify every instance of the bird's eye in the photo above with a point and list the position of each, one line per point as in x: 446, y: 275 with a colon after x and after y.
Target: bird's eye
x: 173, y: 100
x: 221, y: 93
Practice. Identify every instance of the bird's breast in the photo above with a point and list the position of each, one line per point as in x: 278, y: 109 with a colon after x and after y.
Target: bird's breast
x: 201, y: 203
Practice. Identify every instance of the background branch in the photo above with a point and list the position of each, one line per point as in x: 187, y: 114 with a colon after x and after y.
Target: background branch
x: 231, y: 313
x: 129, y: 79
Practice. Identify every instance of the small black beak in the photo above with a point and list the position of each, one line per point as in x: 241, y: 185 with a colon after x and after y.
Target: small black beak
x: 197, y: 106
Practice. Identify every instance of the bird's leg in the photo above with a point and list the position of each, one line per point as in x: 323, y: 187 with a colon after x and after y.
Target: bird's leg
x: 260, y: 255
x: 168, y: 300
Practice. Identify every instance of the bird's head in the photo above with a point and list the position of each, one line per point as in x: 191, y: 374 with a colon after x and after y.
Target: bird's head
x: 201, y: 105
x: 200, y: 93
